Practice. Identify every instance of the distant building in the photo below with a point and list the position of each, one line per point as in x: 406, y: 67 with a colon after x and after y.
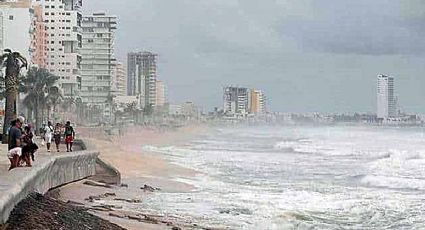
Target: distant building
x: 63, y: 40
x: 97, y: 58
x: 142, y: 77
x: 257, y: 102
x: 189, y: 109
x: 16, y: 30
x: 175, y: 110
x: 38, y: 41
x: 386, y: 101
x: 160, y: 94
x: 119, y: 79
x: 236, y: 100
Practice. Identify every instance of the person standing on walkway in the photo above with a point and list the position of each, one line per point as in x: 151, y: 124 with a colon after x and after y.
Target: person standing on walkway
x: 14, y: 143
x: 69, y: 136
x: 57, y: 135
x: 48, y: 135
x: 29, y: 147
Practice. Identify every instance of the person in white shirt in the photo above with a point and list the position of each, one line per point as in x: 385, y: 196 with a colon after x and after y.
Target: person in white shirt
x: 48, y: 135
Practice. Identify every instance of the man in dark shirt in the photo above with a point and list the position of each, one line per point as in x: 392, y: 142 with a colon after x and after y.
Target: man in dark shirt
x: 69, y: 136
x: 14, y: 143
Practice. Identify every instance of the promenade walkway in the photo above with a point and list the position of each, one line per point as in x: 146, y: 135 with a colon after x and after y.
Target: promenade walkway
x: 49, y: 171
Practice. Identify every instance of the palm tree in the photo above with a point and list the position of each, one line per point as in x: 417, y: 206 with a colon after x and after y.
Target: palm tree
x: 39, y: 87
x: 14, y: 62
x: 53, y: 98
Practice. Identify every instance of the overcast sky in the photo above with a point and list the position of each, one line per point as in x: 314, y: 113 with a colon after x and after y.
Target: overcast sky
x: 307, y: 55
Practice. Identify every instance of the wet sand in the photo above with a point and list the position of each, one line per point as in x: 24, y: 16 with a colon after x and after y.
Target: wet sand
x: 138, y: 168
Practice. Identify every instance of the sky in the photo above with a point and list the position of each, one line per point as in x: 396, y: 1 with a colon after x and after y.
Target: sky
x: 306, y: 55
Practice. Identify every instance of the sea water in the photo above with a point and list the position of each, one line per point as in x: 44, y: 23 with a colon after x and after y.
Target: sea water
x: 300, y: 177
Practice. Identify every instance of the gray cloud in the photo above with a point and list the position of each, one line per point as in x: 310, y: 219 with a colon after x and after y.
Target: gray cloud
x: 359, y: 27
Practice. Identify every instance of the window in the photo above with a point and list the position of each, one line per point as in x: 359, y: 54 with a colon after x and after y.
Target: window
x: 10, y: 17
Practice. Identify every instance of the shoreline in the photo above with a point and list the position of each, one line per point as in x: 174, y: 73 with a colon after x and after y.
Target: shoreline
x: 138, y: 169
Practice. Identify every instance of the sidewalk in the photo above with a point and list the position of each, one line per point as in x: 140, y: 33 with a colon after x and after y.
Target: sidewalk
x: 49, y: 170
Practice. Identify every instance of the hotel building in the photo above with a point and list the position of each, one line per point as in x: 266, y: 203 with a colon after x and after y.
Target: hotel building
x: 386, y: 101
x: 97, y: 53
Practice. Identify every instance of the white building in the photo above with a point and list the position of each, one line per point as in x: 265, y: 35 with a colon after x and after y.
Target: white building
x: 62, y: 19
x: 16, y: 26
x: 142, y: 77
x: 235, y: 100
x: 97, y: 58
x: 386, y: 101
x: 160, y: 94
x: 119, y: 79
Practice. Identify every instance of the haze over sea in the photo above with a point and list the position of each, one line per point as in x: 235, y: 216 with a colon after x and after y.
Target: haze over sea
x: 347, y: 177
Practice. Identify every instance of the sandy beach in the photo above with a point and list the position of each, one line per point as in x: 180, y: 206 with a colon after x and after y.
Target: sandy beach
x: 138, y: 168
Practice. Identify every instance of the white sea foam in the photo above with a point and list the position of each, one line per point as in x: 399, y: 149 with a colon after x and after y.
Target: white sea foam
x: 336, y: 177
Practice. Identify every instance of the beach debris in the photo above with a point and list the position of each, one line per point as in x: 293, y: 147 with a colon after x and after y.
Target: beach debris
x: 105, y: 195
x: 117, y: 214
x: 236, y: 211
x: 74, y: 203
x: 138, y: 218
x: 92, y: 198
x: 176, y: 228
x: 129, y: 200
x: 149, y: 188
x: 150, y: 219
x: 96, y: 184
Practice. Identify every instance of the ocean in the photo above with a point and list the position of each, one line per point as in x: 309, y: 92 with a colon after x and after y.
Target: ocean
x: 300, y: 177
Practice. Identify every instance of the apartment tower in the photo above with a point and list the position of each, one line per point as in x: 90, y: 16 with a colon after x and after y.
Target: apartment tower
x: 16, y: 30
x: 257, y: 102
x: 386, y: 101
x: 142, y: 77
x: 63, y: 41
x: 119, y: 79
x: 97, y: 58
x: 236, y: 100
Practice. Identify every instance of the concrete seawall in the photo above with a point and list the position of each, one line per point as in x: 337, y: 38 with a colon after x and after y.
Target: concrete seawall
x: 48, y: 172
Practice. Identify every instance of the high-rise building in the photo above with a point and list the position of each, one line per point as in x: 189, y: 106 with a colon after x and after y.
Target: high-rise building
x: 141, y: 77
x: 16, y: 26
x: 119, y: 76
x: 63, y: 41
x: 386, y: 101
x: 160, y: 94
x: 236, y: 100
x: 257, y: 102
x: 97, y: 58
x: 38, y: 42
